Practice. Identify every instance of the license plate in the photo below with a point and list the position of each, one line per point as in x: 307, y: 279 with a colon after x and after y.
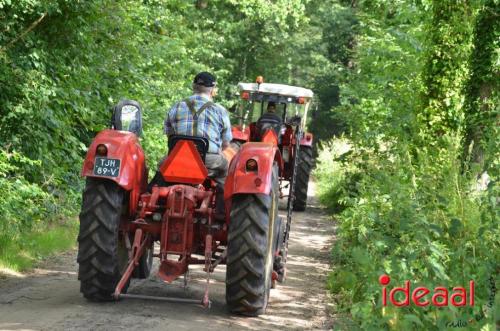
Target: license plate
x: 106, y: 167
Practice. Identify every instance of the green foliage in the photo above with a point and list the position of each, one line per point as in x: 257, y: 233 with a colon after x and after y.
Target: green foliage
x: 22, y: 255
x: 449, y: 42
x: 64, y: 63
x: 335, y: 191
x: 482, y: 88
x: 414, y: 218
x: 405, y: 204
x: 339, y: 34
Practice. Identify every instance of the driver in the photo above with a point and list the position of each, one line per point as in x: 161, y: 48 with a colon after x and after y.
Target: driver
x: 199, y: 116
x: 270, y: 119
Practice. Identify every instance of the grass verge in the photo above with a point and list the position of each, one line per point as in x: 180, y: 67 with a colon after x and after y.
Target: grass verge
x: 24, y: 252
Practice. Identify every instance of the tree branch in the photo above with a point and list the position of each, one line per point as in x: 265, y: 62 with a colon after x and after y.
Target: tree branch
x: 24, y: 33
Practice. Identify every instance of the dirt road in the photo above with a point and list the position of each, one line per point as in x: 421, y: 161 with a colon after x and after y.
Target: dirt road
x: 48, y: 298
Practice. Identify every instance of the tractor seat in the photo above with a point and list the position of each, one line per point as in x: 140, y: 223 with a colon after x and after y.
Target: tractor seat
x: 268, y: 121
x: 200, y: 143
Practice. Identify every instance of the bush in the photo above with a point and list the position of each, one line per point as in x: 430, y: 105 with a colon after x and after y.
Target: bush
x: 414, y: 218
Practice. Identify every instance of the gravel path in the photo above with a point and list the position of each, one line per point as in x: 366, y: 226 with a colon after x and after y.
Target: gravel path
x: 48, y: 298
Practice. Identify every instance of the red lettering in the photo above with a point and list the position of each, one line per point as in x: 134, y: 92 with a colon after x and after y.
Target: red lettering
x: 439, y: 298
x: 415, y: 296
x: 384, y: 296
x: 384, y: 280
x: 443, y: 295
x: 405, y: 290
x: 462, y: 296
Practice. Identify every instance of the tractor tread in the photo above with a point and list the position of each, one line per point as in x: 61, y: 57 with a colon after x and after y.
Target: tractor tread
x: 98, y: 239
x: 246, y: 289
x: 305, y: 165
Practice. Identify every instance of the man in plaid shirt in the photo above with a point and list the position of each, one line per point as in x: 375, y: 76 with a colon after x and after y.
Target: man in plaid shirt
x: 199, y: 116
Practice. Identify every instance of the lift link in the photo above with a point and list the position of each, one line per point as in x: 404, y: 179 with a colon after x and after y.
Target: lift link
x: 138, y: 248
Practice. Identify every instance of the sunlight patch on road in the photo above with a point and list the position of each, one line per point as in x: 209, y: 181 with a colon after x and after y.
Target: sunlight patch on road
x: 40, y: 271
x: 7, y: 272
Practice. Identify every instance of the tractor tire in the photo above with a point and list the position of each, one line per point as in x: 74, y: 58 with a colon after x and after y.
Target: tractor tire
x: 279, y: 260
x: 252, y: 240
x: 302, y: 179
x: 102, y: 255
x: 143, y: 270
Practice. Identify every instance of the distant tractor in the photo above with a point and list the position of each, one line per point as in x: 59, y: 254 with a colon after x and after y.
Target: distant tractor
x: 121, y: 220
x: 291, y: 107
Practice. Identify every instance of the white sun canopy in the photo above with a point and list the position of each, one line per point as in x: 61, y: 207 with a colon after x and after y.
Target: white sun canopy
x: 284, y: 90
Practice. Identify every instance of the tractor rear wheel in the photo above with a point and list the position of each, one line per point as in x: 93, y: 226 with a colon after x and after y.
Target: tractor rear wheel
x: 302, y: 179
x: 102, y: 255
x: 252, y: 240
x: 143, y: 270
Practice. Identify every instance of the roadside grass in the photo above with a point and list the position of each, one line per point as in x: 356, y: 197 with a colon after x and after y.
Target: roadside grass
x: 25, y: 251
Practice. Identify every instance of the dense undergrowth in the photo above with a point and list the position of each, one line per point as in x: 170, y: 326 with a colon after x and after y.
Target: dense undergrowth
x: 413, y: 218
x: 64, y: 63
x: 411, y: 197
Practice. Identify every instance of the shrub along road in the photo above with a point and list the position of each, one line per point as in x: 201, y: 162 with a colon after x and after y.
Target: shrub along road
x: 48, y: 298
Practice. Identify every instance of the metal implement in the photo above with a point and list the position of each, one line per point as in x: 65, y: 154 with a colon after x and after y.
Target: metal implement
x: 166, y: 299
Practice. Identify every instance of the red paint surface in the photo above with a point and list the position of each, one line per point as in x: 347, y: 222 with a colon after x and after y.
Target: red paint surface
x: 241, y: 181
x: 124, y: 146
x: 240, y: 134
x: 270, y: 137
x: 184, y: 165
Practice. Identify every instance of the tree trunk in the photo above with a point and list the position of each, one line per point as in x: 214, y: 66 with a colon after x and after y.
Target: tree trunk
x: 201, y: 4
x: 480, y: 117
x: 449, y: 33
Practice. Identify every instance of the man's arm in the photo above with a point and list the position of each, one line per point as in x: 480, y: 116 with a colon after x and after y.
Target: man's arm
x: 167, y: 124
x: 227, y: 135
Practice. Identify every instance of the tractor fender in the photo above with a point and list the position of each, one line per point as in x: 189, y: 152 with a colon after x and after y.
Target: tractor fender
x: 307, y: 139
x: 239, y: 180
x: 124, y: 146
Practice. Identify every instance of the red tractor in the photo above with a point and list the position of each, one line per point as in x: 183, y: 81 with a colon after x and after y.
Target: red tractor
x: 121, y: 219
x: 289, y: 121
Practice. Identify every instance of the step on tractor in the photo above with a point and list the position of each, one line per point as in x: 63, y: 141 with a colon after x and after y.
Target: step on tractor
x: 125, y: 224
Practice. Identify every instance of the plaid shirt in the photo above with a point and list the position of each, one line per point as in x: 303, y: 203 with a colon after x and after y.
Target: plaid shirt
x: 213, y: 122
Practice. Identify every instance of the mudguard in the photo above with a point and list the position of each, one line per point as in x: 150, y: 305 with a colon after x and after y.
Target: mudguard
x: 124, y: 146
x: 241, y: 181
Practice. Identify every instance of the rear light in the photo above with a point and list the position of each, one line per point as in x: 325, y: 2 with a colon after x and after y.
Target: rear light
x: 301, y: 100
x: 245, y: 95
x: 308, y: 137
x: 259, y: 80
x: 101, y: 150
x: 251, y: 165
